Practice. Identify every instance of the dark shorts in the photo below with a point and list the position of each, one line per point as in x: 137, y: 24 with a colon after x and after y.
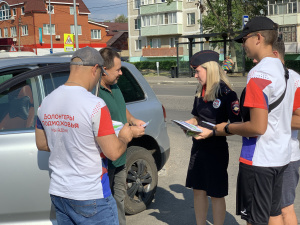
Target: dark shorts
x: 208, y: 170
x: 290, y: 182
x: 259, y: 193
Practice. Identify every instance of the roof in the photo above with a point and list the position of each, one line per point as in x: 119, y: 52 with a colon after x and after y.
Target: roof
x: 114, y: 38
x: 114, y: 28
x: 39, y: 5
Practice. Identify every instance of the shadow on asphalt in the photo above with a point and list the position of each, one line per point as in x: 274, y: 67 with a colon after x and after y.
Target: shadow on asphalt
x: 180, y: 211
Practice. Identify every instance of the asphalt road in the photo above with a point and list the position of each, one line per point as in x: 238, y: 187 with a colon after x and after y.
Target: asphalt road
x: 173, y: 202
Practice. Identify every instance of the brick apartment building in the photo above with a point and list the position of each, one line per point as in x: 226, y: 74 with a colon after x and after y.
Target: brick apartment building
x: 31, y: 18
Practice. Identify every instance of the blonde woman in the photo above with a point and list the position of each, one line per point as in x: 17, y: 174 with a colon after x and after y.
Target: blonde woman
x: 215, y: 102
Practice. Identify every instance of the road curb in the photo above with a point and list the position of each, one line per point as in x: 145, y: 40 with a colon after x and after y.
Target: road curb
x: 234, y: 84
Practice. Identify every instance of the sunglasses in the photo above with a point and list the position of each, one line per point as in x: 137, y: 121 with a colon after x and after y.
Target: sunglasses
x: 246, y: 37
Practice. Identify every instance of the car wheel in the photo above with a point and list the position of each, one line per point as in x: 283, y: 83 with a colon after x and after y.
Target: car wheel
x: 141, y: 179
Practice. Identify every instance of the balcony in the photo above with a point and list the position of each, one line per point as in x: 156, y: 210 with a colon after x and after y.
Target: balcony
x: 286, y: 19
x: 168, y: 29
x: 161, y: 52
x: 160, y: 8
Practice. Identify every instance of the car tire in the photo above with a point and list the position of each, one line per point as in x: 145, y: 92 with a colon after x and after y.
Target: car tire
x: 141, y: 181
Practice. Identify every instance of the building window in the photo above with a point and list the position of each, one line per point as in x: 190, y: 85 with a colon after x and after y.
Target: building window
x: 173, y: 42
x: 146, y: 21
x: 282, y: 7
x: 137, y: 4
x: 13, y: 32
x: 5, y: 32
x: 14, y: 11
x: 96, y: 34
x: 191, y: 18
x: 161, y: 19
x: 78, y: 29
x: 155, y: 43
x: 0, y: 33
x: 46, y: 29
x: 153, y: 20
x: 25, y: 30
x: 71, y: 10
x: 138, y: 45
x: 288, y: 33
x: 172, y: 18
x: 22, y: 10
x: 137, y: 24
x: 144, y: 2
x: 50, y: 9
x: 4, y: 12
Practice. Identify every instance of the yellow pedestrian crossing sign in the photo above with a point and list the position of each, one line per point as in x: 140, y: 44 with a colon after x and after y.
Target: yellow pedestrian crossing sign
x: 68, y: 42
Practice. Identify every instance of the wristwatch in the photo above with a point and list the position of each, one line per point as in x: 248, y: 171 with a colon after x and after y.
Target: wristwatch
x: 226, y: 129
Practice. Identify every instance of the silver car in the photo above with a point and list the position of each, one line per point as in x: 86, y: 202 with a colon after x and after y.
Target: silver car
x: 24, y: 171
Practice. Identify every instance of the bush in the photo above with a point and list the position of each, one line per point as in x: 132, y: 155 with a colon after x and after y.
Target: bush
x: 249, y: 64
x: 293, y: 64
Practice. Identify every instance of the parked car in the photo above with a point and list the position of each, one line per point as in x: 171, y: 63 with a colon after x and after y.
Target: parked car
x: 24, y: 171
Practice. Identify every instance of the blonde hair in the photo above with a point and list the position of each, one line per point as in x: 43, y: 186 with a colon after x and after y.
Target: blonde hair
x: 214, y: 74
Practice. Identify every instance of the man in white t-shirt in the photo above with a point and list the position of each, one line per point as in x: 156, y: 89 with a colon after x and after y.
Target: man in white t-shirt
x: 76, y: 128
x: 291, y: 174
x: 265, y: 152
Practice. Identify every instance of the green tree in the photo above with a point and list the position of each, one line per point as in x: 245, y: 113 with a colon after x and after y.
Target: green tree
x: 225, y: 16
x: 121, y: 19
x: 229, y: 14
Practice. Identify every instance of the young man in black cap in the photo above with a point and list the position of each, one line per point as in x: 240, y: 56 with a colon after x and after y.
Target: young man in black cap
x: 265, y: 152
x: 76, y: 128
x: 291, y: 174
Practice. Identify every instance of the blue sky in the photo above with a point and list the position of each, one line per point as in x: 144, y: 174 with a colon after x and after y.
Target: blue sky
x: 106, y: 9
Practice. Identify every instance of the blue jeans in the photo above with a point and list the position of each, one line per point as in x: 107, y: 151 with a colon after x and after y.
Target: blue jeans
x: 88, y: 212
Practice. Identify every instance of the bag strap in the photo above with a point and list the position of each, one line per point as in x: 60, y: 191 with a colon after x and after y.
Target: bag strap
x: 278, y: 101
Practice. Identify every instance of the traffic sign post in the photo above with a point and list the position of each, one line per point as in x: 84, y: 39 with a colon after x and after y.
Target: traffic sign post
x: 68, y: 42
x: 245, y: 20
x: 12, y: 48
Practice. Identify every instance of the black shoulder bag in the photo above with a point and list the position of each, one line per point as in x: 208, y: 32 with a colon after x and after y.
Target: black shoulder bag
x: 245, y: 113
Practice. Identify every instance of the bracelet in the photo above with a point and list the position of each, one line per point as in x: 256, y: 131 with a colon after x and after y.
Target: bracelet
x: 214, y: 133
x: 226, y: 129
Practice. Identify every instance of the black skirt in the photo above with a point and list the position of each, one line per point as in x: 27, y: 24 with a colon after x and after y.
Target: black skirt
x: 208, y: 168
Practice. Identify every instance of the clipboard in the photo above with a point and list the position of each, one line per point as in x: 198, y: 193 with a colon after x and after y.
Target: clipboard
x: 187, y: 126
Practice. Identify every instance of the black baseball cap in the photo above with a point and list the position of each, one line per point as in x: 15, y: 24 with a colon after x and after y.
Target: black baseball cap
x: 202, y: 57
x: 256, y: 24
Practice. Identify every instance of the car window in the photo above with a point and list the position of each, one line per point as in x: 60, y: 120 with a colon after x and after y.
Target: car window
x: 17, y: 106
x: 52, y: 81
x: 130, y: 88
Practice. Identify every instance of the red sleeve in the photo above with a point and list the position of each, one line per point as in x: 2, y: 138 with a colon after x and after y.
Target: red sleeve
x: 297, y: 100
x: 105, y: 125
x: 255, y: 97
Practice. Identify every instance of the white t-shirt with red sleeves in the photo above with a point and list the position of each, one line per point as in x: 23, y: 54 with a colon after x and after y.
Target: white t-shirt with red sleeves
x: 294, y: 144
x: 266, y: 84
x: 72, y: 117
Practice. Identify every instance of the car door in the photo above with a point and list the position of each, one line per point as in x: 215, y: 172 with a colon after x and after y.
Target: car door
x: 24, y: 170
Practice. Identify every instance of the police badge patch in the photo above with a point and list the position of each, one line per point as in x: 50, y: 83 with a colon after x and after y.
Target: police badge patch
x: 216, y: 103
x: 235, y: 107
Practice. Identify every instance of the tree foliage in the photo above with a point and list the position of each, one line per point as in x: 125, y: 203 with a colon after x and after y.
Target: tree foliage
x: 226, y: 15
x: 121, y: 19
